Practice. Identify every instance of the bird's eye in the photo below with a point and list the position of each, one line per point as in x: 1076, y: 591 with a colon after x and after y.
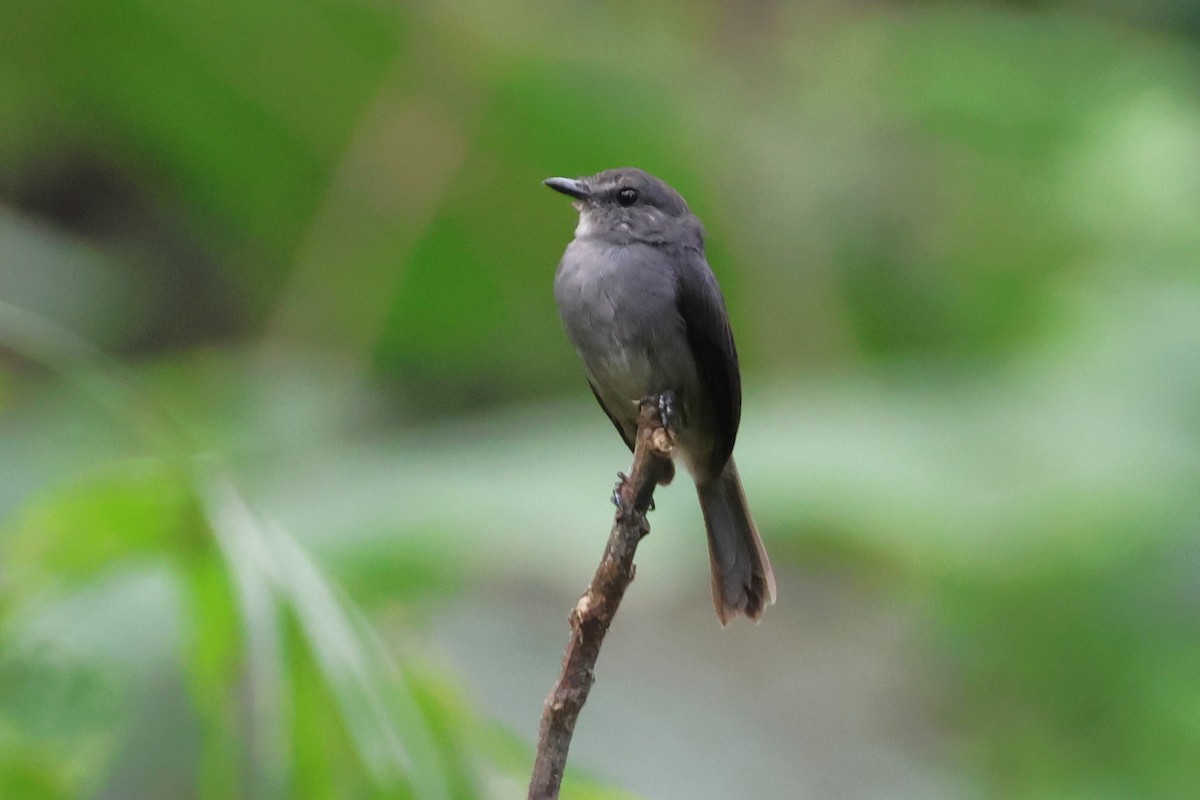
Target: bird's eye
x: 627, y: 197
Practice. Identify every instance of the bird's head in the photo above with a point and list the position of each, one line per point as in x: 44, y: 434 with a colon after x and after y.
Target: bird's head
x: 628, y: 205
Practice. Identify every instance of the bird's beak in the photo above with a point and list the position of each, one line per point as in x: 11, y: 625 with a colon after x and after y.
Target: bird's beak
x: 569, y: 186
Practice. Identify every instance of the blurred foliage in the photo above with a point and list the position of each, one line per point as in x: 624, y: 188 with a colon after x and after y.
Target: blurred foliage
x: 279, y: 365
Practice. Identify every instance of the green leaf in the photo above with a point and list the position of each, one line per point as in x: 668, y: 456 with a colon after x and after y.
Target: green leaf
x: 127, y: 510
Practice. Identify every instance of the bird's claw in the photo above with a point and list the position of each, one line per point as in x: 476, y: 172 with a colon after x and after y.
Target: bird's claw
x: 617, y: 499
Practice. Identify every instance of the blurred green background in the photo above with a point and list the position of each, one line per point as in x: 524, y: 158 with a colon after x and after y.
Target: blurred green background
x: 299, y: 476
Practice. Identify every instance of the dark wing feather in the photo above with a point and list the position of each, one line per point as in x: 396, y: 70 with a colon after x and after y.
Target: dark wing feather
x: 711, y: 341
x: 624, y: 434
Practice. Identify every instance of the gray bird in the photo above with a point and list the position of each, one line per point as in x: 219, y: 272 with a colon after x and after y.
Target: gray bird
x: 644, y: 311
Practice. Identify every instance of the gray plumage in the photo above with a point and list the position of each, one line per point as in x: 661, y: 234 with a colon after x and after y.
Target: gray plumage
x: 644, y: 311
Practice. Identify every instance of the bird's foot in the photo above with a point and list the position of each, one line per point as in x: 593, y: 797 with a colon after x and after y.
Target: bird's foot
x: 618, y: 495
x: 617, y: 498
x: 668, y: 411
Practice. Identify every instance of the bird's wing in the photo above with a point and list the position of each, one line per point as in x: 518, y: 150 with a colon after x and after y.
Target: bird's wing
x: 711, y: 341
x: 620, y: 429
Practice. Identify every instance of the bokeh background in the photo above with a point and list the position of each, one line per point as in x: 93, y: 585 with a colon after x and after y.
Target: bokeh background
x: 299, y: 476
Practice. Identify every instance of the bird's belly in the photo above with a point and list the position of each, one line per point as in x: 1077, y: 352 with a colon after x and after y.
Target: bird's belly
x: 622, y: 316
x: 626, y: 361
x: 623, y: 374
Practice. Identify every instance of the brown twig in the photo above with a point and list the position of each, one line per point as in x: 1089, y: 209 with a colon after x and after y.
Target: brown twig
x: 594, y: 612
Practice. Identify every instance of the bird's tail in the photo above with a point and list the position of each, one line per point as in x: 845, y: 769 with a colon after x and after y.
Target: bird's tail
x: 742, y: 580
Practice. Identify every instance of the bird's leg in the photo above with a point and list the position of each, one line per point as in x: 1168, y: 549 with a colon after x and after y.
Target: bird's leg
x: 670, y: 419
x: 668, y: 412
x: 668, y: 415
